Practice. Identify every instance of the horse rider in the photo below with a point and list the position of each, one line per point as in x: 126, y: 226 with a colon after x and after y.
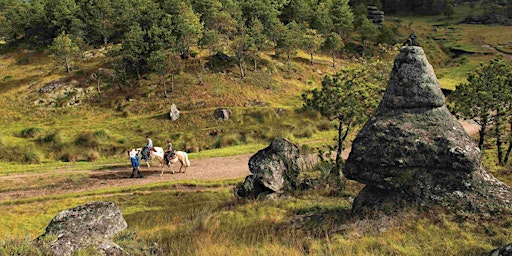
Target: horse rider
x: 169, y: 152
x: 135, y: 163
x: 145, y: 149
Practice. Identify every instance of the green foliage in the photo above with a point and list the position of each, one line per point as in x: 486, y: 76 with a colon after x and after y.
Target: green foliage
x: 486, y: 98
x: 188, y: 29
x: 31, y: 132
x: 64, y: 49
x: 312, y: 41
x: 32, y: 156
x: 349, y: 97
x: 334, y: 45
x: 289, y: 41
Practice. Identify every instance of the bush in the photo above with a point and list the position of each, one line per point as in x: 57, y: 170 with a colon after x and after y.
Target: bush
x: 93, y: 156
x: 53, y: 138
x: 31, y: 132
x: 33, y: 157
x: 87, y: 139
x: 307, y: 132
x: 72, y: 157
x: 227, y: 140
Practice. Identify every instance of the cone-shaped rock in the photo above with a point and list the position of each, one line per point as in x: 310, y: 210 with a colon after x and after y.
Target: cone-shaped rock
x: 414, y: 151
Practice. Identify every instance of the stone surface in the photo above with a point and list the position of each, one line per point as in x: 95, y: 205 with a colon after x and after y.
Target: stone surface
x: 414, y: 152
x: 502, y: 251
x: 62, y: 93
x: 274, y: 169
x: 174, y: 114
x: 222, y: 114
x: 90, y: 225
x: 375, y: 15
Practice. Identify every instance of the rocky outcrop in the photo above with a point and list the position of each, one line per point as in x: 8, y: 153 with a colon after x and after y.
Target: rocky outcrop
x: 502, y: 251
x: 222, y: 114
x: 275, y: 170
x: 62, y: 93
x: 90, y: 225
x: 414, y: 152
x: 174, y: 114
x: 375, y: 15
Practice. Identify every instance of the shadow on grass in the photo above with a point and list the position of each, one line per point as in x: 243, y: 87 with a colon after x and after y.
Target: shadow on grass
x: 118, y: 175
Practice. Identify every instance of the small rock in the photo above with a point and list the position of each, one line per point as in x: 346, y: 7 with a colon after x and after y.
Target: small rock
x: 222, y: 114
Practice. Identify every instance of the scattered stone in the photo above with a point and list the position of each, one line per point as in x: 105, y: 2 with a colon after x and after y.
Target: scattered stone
x: 412, y: 40
x: 174, y: 114
x: 415, y: 152
x: 274, y: 169
x: 281, y: 111
x: 90, y: 225
x: 63, y: 93
x: 222, y: 114
x: 502, y: 251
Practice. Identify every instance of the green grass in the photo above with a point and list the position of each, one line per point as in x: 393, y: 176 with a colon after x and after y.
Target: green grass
x: 208, y: 220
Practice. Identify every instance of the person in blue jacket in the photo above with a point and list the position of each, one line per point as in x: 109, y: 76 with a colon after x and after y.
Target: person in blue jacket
x: 135, y: 163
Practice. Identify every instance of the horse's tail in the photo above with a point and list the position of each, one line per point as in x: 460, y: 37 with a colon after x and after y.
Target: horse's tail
x: 187, y: 162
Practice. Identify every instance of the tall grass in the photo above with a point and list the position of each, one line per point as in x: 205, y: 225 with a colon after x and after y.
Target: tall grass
x: 210, y: 221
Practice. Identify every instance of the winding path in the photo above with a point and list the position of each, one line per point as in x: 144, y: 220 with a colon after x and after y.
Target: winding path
x: 58, y: 181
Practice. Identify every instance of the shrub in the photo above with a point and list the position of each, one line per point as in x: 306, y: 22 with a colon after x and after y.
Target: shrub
x: 72, y: 157
x: 93, y: 156
x: 33, y: 157
x: 227, y: 140
x: 53, y: 139
x: 31, y: 132
x: 87, y: 139
x: 306, y: 132
x: 324, y: 126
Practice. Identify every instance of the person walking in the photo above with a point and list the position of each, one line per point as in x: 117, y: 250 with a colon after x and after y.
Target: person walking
x: 135, y: 163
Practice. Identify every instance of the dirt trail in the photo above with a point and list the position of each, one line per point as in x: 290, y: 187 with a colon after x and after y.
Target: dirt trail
x: 217, y: 168
x: 493, y: 49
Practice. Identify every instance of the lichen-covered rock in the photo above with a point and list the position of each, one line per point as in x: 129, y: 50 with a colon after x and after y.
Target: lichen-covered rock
x: 413, y: 150
x: 90, y: 225
x: 502, y: 251
x: 222, y: 114
x: 275, y: 169
x: 174, y: 114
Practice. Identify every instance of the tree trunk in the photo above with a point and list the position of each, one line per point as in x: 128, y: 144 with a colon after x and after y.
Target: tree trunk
x: 499, y: 143
x: 289, y: 62
x: 99, y: 89
x: 172, y: 82
x: 165, y: 86
x: 241, y: 66
x: 311, y: 58
x: 336, y: 172
x: 509, y: 149
x: 333, y: 60
x: 66, y: 63
x: 481, y: 133
x: 255, y: 65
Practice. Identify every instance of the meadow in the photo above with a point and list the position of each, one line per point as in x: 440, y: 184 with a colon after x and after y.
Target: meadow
x: 193, y: 217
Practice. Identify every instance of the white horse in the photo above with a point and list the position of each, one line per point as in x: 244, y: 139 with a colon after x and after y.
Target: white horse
x: 158, y: 153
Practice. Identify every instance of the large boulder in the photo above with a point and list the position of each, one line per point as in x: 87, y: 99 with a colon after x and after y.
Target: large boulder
x: 414, y: 152
x: 90, y: 225
x: 502, y: 251
x: 174, y: 114
x: 274, y: 169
